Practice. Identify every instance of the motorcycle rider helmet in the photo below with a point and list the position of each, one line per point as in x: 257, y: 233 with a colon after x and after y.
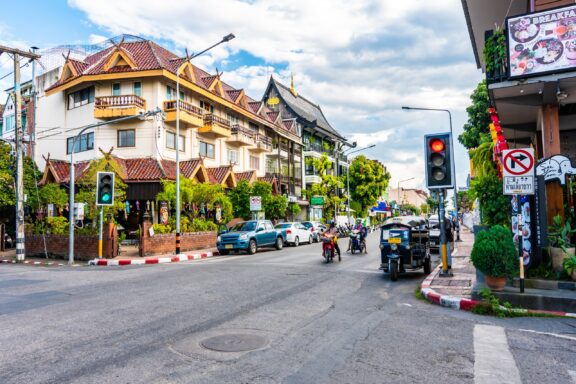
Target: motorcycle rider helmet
x: 331, y: 223
x: 358, y: 221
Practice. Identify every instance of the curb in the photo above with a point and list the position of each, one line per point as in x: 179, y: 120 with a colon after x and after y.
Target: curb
x: 43, y: 263
x: 156, y: 260
x: 463, y: 304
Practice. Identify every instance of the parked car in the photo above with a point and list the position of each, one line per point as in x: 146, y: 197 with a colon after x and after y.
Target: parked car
x: 314, y: 228
x: 249, y: 236
x: 434, y: 231
x: 296, y: 233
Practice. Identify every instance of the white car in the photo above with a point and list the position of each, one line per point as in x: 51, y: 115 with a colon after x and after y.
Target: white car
x: 296, y: 233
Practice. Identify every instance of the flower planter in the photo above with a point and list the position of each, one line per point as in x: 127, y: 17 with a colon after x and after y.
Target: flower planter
x: 558, y: 256
x: 495, y: 283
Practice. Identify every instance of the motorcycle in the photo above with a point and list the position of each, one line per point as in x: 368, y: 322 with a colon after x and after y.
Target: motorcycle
x: 328, y: 249
x: 356, y: 244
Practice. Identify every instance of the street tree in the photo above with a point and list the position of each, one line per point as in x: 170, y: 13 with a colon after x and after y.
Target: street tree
x: 368, y: 181
x: 477, y: 128
x: 328, y: 187
x: 240, y: 199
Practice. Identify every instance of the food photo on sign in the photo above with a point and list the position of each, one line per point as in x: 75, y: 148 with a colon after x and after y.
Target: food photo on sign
x: 542, y: 42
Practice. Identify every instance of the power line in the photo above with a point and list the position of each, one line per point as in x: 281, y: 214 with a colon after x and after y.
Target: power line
x: 8, y: 74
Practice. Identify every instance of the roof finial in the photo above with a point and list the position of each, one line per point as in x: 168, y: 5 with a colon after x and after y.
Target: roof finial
x: 292, y: 89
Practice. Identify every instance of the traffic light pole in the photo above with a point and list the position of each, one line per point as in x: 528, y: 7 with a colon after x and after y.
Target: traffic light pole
x: 100, y: 233
x: 443, y: 251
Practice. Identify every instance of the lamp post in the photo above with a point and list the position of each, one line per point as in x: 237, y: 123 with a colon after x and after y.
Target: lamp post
x: 401, y: 181
x: 187, y: 58
x: 348, y: 178
x: 453, y: 161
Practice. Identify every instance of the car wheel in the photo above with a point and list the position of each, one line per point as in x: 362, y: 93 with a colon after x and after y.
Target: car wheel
x: 223, y: 252
x: 394, y: 270
x: 310, y: 240
x: 427, y: 266
x: 279, y: 243
x: 296, y: 241
x: 252, y: 247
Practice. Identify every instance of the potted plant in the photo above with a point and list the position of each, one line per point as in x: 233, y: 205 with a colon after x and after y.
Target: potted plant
x: 494, y: 254
x: 560, y: 246
x: 570, y: 266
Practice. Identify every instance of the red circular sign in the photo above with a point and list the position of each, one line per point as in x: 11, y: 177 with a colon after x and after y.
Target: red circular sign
x: 518, y: 162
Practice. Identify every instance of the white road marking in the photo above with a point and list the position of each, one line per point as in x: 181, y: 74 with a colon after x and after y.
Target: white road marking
x: 549, y: 334
x: 493, y: 361
x: 573, y: 376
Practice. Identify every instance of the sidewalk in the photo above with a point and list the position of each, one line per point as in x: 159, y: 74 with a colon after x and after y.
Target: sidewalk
x: 456, y: 292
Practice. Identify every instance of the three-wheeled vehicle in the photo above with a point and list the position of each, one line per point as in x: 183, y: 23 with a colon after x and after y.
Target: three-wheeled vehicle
x: 404, y: 246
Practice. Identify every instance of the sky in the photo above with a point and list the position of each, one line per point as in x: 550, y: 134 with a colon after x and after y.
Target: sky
x: 360, y: 60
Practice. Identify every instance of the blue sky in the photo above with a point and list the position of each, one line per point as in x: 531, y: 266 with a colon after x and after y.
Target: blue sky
x: 360, y: 61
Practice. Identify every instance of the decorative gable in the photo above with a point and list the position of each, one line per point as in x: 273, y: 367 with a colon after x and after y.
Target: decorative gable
x: 119, y: 58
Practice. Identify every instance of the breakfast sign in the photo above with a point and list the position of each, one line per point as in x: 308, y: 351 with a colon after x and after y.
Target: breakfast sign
x: 542, y: 42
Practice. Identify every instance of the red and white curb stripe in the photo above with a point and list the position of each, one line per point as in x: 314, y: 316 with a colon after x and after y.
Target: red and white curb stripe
x: 464, y: 304
x: 156, y: 260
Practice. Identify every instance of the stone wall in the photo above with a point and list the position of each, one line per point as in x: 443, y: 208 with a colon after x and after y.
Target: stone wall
x: 166, y: 243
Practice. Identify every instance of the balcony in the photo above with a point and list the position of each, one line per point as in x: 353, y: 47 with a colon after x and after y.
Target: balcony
x: 106, y: 107
x: 215, y: 126
x: 189, y: 114
x: 312, y: 179
x: 262, y: 144
x: 241, y: 136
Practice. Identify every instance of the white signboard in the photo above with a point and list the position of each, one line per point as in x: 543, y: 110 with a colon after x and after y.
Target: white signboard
x: 518, y: 171
x: 255, y: 203
x: 518, y: 185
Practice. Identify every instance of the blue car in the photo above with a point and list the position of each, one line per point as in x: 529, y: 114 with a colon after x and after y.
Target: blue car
x: 249, y: 236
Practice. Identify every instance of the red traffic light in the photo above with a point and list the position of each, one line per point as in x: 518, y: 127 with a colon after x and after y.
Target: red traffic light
x: 437, y: 145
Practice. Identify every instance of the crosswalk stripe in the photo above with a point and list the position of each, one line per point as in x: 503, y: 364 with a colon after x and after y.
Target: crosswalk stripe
x: 493, y: 361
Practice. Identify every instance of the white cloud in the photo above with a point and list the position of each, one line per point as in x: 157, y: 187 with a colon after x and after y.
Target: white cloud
x: 359, y: 60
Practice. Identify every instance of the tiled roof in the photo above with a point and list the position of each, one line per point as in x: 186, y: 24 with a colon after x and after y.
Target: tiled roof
x: 218, y: 174
x: 61, y: 169
x: 145, y: 169
x: 79, y: 66
x: 233, y: 94
x: 304, y: 108
x: 187, y: 168
x: 272, y: 116
x: 254, y: 106
x: 268, y: 179
x: 248, y: 175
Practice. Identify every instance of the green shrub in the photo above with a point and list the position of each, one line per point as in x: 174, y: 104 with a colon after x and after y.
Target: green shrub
x: 494, y: 253
x: 57, y: 225
x: 162, y: 228
x: 570, y: 264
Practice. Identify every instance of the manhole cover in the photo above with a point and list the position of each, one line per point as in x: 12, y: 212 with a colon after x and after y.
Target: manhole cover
x: 234, y: 342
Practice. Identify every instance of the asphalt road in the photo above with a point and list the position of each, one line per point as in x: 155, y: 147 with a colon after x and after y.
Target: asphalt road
x: 274, y: 317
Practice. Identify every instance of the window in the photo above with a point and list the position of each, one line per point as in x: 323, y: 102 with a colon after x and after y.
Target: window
x: 84, y: 143
x: 168, y: 93
x: 207, y: 150
x: 233, y: 119
x: 206, y: 106
x: 171, y: 141
x: 254, y: 162
x: 126, y: 138
x: 10, y: 123
x: 138, y: 88
x: 232, y: 156
x: 253, y: 127
x: 81, y: 97
x: 181, y: 95
x: 116, y: 89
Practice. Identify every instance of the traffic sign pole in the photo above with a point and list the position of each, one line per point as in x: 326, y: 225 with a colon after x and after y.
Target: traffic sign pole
x: 520, y: 249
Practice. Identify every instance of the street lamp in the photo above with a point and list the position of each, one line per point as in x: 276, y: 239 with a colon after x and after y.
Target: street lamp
x: 348, y: 176
x: 453, y: 160
x: 187, y: 58
x: 401, y: 181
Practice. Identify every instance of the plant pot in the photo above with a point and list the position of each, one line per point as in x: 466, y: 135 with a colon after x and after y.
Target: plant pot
x: 558, y: 256
x: 495, y: 283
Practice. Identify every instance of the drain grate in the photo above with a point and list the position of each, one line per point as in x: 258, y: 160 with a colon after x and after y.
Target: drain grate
x: 238, y: 342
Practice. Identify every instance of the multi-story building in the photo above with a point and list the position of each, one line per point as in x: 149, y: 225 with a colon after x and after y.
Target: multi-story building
x: 318, y: 136
x: 222, y: 130
x: 8, y: 116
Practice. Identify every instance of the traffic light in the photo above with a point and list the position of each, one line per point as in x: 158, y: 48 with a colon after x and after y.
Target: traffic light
x: 105, y: 188
x: 439, y: 162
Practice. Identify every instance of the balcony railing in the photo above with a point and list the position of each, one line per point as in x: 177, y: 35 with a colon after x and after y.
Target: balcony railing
x: 215, y: 125
x: 170, y: 105
x: 120, y: 101
x: 239, y: 130
x: 211, y: 119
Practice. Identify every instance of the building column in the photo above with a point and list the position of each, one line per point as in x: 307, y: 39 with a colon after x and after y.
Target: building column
x: 550, y: 130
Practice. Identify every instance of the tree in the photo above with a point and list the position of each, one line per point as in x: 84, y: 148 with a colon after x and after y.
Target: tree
x: 328, y: 187
x: 52, y: 194
x: 464, y: 202
x: 240, y: 199
x: 294, y: 210
x: 424, y: 208
x: 276, y: 207
x: 368, y: 181
x: 410, y: 208
x: 477, y: 128
x: 494, y: 206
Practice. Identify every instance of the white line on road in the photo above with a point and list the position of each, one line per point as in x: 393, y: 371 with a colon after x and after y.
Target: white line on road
x: 573, y: 376
x: 549, y: 334
x: 493, y: 361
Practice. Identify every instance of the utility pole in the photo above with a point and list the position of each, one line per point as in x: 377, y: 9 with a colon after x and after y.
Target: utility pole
x: 16, y: 54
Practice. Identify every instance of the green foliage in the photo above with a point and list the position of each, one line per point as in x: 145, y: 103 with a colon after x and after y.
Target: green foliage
x: 424, y: 208
x: 186, y: 226
x: 53, y: 194
x: 569, y: 264
x: 240, y: 199
x: 57, y: 225
x: 494, y: 253
x: 491, y: 306
x: 559, y: 233
x: 414, y: 210
x: 162, y: 228
x: 494, y: 206
x: 276, y: 207
x: 294, y: 209
x: 477, y: 128
x: 329, y: 186
x: 483, y: 161
x: 432, y: 204
x: 7, y: 173
x: 495, y: 52
x: 368, y: 182
x: 464, y: 202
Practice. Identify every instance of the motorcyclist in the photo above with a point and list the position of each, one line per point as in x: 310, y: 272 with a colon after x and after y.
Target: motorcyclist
x: 332, y: 231
x: 362, y: 230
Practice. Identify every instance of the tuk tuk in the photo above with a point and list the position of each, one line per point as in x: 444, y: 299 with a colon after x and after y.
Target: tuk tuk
x: 404, y: 246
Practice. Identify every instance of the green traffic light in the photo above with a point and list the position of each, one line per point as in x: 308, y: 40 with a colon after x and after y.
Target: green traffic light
x: 106, y: 197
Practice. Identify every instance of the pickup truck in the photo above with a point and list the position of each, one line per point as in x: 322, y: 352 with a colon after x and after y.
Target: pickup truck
x: 249, y: 236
